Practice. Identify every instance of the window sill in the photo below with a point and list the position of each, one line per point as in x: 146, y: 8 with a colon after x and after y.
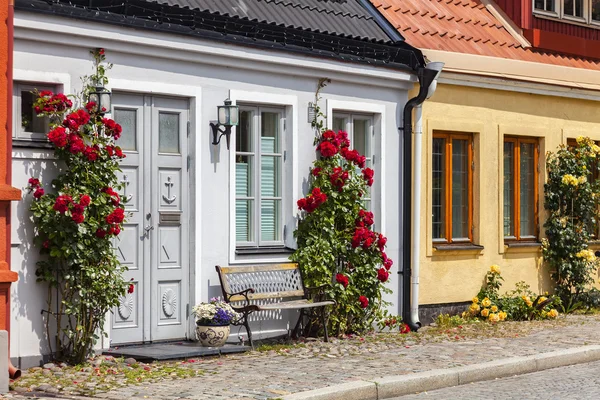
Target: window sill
x: 522, y: 247
x: 32, y: 144
x: 457, y: 249
x: 249, y: 251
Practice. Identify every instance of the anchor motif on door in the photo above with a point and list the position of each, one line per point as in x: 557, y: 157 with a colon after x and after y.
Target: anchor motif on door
x: 125, y: 181
x: 168, y: 197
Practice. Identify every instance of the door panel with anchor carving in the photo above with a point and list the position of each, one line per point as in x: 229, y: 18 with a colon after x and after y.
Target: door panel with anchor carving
x: 152, y: 245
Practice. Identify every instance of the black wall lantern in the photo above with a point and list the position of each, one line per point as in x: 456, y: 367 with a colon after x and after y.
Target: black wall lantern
x: 101, y: 96
x: 228, y: 117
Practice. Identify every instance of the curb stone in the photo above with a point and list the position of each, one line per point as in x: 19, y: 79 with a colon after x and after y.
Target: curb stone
x: 400, y: 385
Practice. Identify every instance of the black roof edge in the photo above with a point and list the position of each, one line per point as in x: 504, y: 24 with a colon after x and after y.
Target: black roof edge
x: 222, y: 28
x: 383, y: 22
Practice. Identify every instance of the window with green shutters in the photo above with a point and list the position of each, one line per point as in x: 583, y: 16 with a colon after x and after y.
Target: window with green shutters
x: 259, y: 177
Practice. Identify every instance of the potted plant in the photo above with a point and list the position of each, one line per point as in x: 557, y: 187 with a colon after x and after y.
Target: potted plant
x: 212, y: 322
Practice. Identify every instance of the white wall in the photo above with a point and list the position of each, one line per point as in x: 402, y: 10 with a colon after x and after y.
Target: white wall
x: 49, y: 49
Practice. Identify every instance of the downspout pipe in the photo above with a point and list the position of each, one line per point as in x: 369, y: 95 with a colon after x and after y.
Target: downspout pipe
x: 411, y: 232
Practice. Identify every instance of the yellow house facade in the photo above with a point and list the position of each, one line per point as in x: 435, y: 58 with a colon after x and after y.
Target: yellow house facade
x: 502, y: 102
x: 489, y: 115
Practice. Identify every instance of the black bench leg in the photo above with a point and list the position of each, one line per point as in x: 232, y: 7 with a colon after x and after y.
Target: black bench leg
x: 248, y: 331
x: 324, y: 320
x: 295, y: 331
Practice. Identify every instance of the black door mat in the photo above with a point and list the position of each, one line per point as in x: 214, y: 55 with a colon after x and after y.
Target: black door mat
x: 172, y: 351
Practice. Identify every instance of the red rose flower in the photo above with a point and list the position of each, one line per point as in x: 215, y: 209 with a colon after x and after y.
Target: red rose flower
x: 78, y: 209
x: 58, y: 137
x: 130, y: 288
x: 62, y: 202
x: 404, y: 328
x: 101, y: 233
x: 85, y: 200
x: 342, y: 139
x: 46, y: 244
x: 46, y: 93
x: 34, y: 182
x: 77, y: 144
x: 327, y: 149
x: 382, y: 274
x: 364, y: 302
x: 368, y: 175
x: 116, y: 217
x: 116, y: 231
x: 381, y: 242
x: 316, y: 171
x: 90, y: 106
x: 78, y: 218
x: 110, y: 150
x: 90, y: 153
x: 101, y: 52
x: 39, y: 192
x: 119, y: 152
x: 343, y: 279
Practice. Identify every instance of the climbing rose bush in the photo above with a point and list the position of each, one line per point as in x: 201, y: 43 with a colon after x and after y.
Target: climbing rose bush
x: 77, y: 221
x: 572, y: 200
x: 337, y: 245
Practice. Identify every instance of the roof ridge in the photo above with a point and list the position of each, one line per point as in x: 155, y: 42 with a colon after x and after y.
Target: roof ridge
x: 323, y: 10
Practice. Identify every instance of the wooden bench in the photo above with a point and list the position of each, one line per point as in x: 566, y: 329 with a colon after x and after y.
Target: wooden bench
x: 279, y: 283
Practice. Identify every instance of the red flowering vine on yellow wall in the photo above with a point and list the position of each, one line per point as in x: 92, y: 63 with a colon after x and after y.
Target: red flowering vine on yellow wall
x: 77, y: 217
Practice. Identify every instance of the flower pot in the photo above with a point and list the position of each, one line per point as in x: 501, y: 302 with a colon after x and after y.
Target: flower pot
x: 212, y: 335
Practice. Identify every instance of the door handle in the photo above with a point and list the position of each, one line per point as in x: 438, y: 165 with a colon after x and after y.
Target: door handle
x: 149, y: 228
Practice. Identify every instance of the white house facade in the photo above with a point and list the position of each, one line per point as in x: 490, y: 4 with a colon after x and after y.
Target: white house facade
x: 192, y: 204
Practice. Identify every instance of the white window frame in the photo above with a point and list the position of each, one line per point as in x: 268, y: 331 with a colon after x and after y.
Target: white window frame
x: 292, y: 184
x: 559, y: 13
x: 18, y: 132
x: 256, y: 197
x: 377, y: 111
x: 349, y: 119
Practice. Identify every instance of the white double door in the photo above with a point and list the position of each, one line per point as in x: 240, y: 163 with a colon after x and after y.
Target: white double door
x: 154, y: 242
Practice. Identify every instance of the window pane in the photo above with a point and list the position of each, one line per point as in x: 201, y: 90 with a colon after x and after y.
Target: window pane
x: 438, y: 188
x: 509, y: 215
x: 361, y: 137
x: 243, y: 138
x: 270, y: 176
x: 527, y: 181
x: 574, y: 8
x: 128, y: 121
x: 243, y: 175
x: 168, y: 132
x: 30, y: 122
x: 596, y: 10
x: 270, y: 220
x: 339, y: 124
x: 545, y: 5
x: 460, y: 189
x: 269, y: 135
x: 243, y: 220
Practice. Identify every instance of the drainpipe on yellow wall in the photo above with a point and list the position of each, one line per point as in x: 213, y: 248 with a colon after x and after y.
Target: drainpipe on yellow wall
x: 412, y: 197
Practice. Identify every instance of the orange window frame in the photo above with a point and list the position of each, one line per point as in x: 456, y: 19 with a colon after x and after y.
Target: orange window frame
x: 447, y: 162
x: 517, y: 187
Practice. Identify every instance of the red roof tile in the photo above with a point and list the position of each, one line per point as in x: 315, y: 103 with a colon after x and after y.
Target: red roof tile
x: 465, y: 26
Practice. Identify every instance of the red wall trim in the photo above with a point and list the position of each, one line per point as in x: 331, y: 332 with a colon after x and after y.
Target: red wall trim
x: 562, y: 43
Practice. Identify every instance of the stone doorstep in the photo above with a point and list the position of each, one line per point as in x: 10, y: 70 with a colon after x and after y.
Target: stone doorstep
x: 394, y: 386
x: 172, y: 351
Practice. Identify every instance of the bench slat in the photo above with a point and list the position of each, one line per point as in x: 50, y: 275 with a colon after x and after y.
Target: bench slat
x: 258, y: 268
x: 293, y: 305
x: 269, y: 295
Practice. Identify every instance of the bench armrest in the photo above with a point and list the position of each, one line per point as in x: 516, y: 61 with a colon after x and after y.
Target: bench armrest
x: 242, y: 293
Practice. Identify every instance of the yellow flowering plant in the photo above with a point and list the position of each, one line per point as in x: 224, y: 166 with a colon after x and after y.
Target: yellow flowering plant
x: 519, y: 304
x: 572, y: 200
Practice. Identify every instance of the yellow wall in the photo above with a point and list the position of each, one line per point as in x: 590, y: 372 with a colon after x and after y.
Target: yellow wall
x: 490, y: 114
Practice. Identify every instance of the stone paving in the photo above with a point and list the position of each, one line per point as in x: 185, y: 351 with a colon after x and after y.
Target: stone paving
x: 576, y: 382
x: 272, y: 374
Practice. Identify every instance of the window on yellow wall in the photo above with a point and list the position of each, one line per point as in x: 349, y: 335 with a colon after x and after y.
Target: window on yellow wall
x: 521, y: 188
x: 452, y: 187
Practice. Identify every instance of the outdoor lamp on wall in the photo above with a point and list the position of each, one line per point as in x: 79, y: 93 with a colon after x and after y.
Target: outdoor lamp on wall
x: 228, y: 117
x: 101, y: 96
x: 312, y: 112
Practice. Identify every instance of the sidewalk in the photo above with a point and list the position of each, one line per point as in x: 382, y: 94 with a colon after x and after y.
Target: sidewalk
x: 315, y: 365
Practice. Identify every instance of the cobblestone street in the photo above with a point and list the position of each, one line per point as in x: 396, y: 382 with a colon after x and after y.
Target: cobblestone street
x: 272, y: 374
x: 574, y: 382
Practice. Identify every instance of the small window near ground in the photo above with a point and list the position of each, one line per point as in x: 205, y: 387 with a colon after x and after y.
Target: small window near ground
x: 452, y: 187
x: 27, y: 125
x: 520, y: 188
